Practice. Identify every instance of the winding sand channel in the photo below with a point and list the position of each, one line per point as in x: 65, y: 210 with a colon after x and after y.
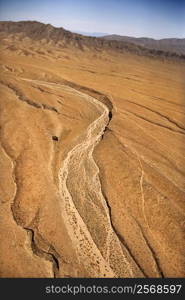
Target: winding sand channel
x: 81, y: 195
x: 83, y: 207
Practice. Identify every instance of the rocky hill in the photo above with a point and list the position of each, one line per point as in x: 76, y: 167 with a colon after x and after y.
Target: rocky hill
x: 167, y: 45
x: 59, y: 36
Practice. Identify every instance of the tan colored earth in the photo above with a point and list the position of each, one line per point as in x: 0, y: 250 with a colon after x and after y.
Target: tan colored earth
x: 92, y: 157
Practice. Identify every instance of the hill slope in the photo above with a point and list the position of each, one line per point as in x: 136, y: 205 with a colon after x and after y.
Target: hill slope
x: 59, y: 36
x: 171, y: 44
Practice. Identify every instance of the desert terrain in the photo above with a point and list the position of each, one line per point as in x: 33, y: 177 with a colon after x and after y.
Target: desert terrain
x: 92, y: 143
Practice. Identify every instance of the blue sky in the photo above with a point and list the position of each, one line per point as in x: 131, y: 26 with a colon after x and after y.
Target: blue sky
x: 150, y: 18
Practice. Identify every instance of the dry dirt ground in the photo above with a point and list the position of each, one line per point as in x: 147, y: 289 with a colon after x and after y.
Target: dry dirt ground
x: 92, y: 180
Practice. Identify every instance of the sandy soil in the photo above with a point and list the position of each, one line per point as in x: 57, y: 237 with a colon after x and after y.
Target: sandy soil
x: 83, y: 194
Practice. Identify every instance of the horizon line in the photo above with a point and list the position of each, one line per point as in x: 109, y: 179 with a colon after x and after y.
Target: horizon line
x: 77, y: 31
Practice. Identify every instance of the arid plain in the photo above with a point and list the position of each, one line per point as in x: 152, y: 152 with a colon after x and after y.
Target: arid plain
x: 92, y: 180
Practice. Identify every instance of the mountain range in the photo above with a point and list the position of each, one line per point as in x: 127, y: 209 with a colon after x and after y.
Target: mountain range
x: 168, y: 44
x: 48, y: 33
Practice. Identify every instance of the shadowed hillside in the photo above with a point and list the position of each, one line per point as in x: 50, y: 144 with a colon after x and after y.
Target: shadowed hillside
x: 61, y: 37
x: 167, y: 45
